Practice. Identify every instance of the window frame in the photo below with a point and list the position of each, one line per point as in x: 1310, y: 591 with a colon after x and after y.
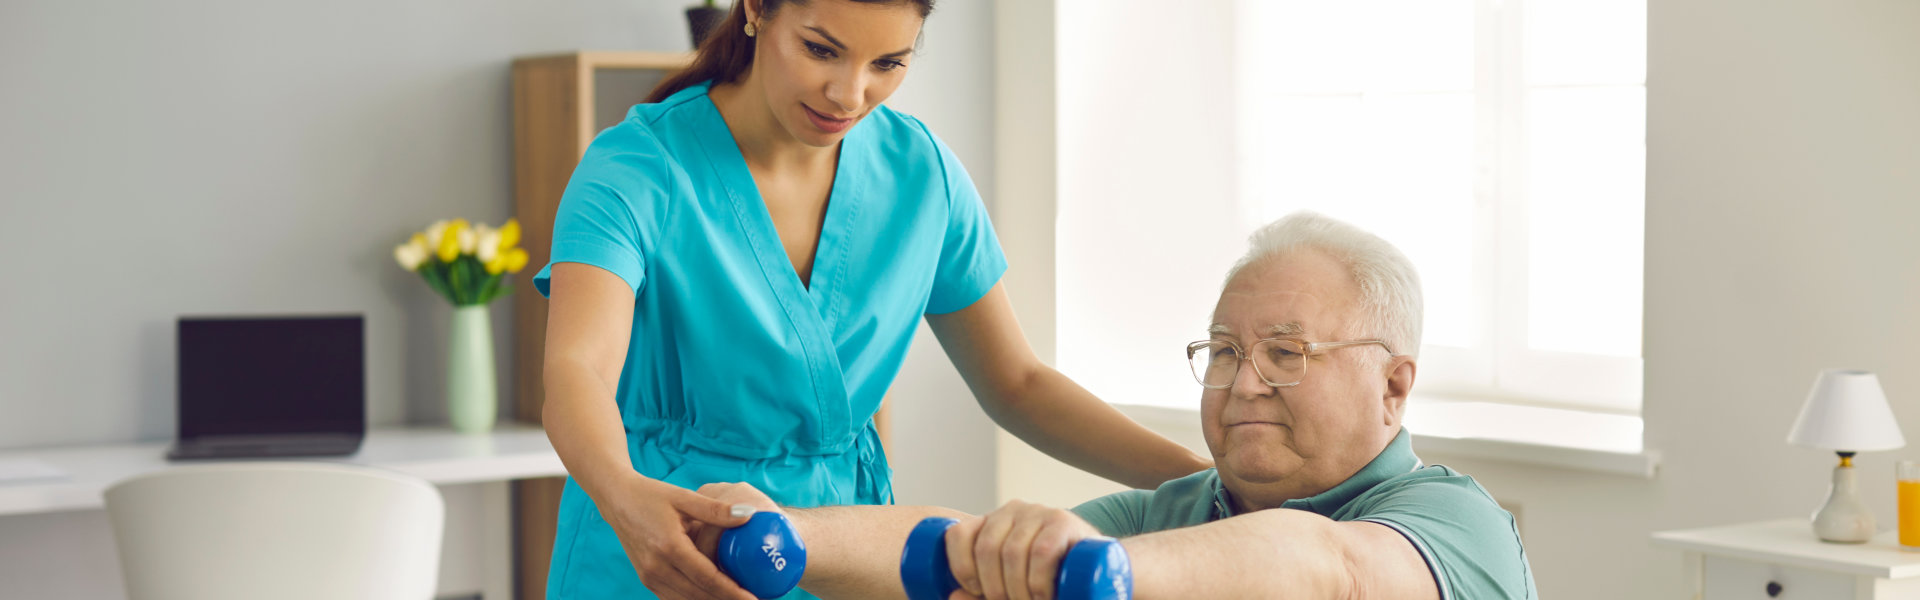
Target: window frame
x: 1502, y: 367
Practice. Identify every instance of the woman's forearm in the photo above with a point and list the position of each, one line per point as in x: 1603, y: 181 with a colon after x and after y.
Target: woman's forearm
x: 583, y: 422
x: 1049, y: 411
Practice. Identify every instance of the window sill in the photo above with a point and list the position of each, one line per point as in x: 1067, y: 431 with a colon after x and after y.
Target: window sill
x: 1533, y: 435
x: 1529, y: 435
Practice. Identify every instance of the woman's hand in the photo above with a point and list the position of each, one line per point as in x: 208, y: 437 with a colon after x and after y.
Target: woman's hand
x: 740, y: 493
x: 656, y: 523
x: 706, y: 538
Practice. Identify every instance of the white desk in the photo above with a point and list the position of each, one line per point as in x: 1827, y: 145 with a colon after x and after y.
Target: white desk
x: 1782, y: 560
x: 438, y: 455
x: 479, y: 552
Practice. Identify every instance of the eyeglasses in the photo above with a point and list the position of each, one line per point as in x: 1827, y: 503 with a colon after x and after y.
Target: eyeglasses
x: 1278, y: 362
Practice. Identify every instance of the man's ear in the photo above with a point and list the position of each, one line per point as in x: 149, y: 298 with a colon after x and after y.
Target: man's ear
x: 1400, y: 371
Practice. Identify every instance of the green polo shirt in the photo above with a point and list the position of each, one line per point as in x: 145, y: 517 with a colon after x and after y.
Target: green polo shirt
x: 1470, y: 544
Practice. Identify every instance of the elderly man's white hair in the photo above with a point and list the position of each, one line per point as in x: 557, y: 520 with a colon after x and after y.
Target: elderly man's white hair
x: 1389, y: 287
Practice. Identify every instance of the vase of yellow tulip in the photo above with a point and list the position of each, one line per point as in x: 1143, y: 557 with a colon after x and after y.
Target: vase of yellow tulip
x: 467, y: 265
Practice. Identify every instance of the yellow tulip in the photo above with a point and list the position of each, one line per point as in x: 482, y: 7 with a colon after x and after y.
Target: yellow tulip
x: 509, y: 234
x: 495, y: 266
x: 450, y: 240
x: 516, y: 259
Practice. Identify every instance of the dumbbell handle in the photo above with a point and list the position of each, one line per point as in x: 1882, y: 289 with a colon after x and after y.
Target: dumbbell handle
x: 1093, y: 569
x: 765, y: 556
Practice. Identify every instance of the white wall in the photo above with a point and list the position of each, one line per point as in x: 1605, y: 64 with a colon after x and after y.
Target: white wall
x: 208, y: 156
x: 1783, y: 204
x: 1147, y: 138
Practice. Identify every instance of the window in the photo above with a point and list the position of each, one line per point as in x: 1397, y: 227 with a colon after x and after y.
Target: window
x: 1499, y: 143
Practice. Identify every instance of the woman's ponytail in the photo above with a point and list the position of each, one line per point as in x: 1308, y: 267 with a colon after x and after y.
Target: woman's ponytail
x: 726, y: 53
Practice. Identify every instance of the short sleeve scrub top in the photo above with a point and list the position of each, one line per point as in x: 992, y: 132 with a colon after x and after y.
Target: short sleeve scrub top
x: 735, y: 369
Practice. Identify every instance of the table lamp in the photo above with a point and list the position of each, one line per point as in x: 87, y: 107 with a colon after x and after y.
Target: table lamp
x: 1846, y: 413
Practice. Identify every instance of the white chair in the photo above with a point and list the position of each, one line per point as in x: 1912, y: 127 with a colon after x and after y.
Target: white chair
x: 277, y: 530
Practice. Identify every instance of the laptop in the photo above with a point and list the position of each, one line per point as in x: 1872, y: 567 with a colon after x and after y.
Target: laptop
x: 270, y: 386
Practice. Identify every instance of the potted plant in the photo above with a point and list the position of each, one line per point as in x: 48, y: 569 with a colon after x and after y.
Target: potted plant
x: 702, y: 18
x: 467, y: 265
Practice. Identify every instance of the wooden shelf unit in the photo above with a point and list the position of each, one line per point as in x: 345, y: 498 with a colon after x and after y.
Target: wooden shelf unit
x: 553, y: 121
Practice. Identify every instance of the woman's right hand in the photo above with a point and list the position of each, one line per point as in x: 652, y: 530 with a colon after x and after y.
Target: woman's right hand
x: 656, y: 522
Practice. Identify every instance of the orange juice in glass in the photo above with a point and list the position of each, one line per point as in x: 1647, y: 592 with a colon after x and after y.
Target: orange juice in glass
x: 1908, y: 474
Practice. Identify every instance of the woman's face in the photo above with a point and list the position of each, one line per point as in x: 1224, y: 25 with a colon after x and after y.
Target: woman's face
x: 825, y: 64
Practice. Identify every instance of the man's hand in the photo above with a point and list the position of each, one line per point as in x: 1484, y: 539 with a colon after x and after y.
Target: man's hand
x: 706, y: 537
x: 1014, y: 552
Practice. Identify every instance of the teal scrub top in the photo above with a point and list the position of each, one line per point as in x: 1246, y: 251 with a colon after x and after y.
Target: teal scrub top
x: 1470, y: 544
x: 735, y: 369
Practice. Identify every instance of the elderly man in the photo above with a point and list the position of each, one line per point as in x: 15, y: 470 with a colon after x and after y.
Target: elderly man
x: 1308, y: 361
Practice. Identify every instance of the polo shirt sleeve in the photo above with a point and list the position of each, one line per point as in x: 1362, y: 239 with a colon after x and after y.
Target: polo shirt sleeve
x: 1471, y: 545
x: 971, y: 260
x: 1121, y: 514
x: 611, y: 212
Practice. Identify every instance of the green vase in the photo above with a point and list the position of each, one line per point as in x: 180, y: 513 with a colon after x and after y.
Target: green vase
x: 472, y: 401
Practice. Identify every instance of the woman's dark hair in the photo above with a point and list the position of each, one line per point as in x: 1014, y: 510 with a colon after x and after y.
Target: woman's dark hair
x: 728, y: 51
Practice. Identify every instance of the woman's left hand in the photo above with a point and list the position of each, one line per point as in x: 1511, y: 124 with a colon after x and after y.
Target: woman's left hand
x: 707, y: 537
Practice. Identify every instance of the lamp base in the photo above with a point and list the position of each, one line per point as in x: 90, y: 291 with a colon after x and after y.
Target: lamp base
x: 1844, y: 519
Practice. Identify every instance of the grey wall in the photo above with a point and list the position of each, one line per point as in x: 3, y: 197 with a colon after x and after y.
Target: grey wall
x: 208, y: 156
x: 249, y: 157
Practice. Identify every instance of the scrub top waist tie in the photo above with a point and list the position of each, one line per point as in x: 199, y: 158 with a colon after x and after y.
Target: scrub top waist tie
x: 855, y: 474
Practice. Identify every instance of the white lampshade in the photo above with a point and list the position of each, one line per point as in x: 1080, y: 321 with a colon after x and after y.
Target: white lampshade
x: 1847, y: 412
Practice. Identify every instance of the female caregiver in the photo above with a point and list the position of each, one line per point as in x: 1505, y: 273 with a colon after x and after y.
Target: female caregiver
x: 737, y: 269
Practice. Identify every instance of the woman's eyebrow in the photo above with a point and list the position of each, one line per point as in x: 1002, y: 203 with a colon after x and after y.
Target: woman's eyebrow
x: 830, y: 39
x: 843, y: 47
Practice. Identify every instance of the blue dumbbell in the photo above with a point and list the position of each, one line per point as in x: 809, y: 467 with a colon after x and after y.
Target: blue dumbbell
x: 1094, y: 569
x: 765, y: 556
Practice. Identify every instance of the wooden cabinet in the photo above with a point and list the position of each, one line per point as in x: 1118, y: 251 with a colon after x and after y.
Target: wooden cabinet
x: 559, y: 103
x: 1782, y: 560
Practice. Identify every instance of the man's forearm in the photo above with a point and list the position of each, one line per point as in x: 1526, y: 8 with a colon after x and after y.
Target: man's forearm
x: 854, y: 551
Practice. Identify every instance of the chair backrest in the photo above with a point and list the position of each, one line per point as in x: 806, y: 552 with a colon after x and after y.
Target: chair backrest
x: 277, y: 530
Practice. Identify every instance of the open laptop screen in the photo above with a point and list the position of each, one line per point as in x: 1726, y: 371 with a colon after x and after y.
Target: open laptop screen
x: 271, y: 375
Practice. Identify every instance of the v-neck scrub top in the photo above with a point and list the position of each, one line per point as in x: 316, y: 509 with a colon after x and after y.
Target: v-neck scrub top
x: 735, y: 369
